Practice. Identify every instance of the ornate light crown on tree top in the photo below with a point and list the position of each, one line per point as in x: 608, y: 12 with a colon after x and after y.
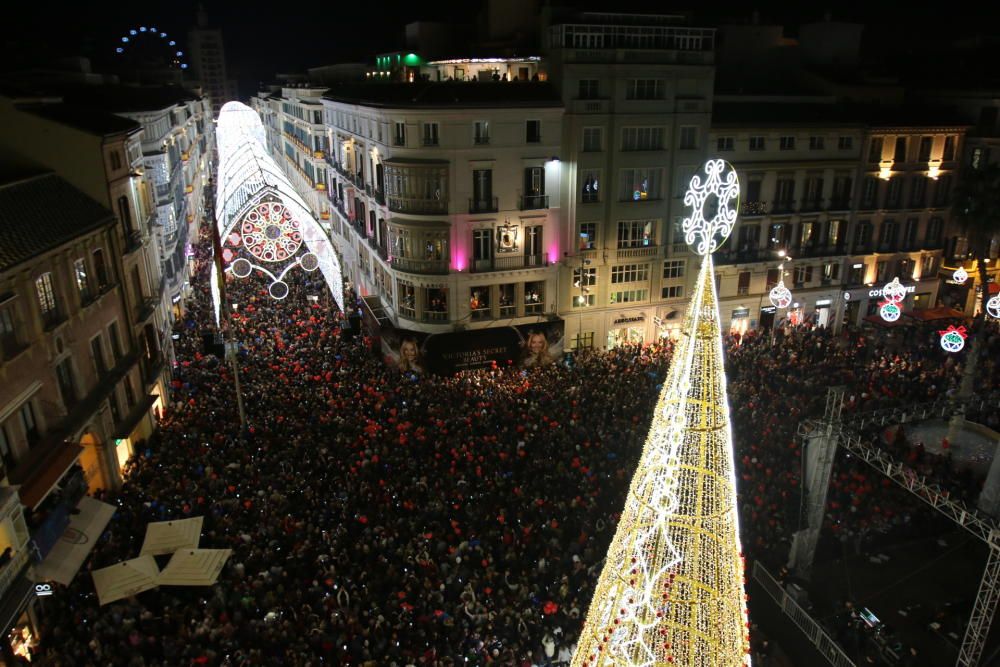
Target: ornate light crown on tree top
x: 714, y: 202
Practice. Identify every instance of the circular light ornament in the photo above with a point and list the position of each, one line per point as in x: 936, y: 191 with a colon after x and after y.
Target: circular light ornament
x: 953, y: 339
x: 242, y: 268
x: 993, y: 306
x: 889, y: 311
x: 780, y: 295
x: 309, y: 262
x: 278, y: 290
x: 714, y: 202
x: 894, y: 291
x: 960, y: 276
x: 270, y: 233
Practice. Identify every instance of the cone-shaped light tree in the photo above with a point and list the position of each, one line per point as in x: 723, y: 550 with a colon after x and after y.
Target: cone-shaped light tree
x: 672, y: 588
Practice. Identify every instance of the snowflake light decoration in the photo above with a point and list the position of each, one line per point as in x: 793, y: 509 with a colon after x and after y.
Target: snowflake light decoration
x: 780, y: 295
x: 960, y: 276
x: 270, y: 233
x: 894, y: 291
x: 889, y: 311
x: 953, y: 338
x: 721, y: 187
x: 993, y: 306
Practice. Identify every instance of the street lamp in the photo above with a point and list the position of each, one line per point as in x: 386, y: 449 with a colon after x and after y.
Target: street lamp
x: 581, y: 283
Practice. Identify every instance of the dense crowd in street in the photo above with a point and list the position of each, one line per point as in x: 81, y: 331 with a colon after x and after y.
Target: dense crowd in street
x: 380, y: 517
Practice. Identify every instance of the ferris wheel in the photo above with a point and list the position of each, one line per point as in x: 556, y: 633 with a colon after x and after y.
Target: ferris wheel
x: 150, y: 43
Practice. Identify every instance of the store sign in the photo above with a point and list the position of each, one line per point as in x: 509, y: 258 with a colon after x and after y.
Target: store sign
x: 847, y: 296
x: 43, y: 590
x: 770, y: 310
x: 878, y: 292
x: 824, y: 302
x: 741, y: 313
x: 630, y: 320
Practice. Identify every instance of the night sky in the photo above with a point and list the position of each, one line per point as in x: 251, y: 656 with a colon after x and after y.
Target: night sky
x: 262, y: 40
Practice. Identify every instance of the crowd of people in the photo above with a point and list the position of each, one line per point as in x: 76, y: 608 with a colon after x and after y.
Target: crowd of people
x: 383, y: 517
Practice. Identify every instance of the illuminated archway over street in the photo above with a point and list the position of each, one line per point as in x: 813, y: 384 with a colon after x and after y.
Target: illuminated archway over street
x: 263, y: 224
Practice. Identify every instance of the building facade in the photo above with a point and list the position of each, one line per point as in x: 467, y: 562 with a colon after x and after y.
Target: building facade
x: 445, y: 208
x: 207, y: 54
x: 71, y: 380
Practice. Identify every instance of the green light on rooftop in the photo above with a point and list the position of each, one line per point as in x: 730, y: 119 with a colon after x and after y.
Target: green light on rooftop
x: 412, y: 59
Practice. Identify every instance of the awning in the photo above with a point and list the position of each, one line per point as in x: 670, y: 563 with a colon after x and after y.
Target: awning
x: 125, y: 579
x: 14, y: 601
x: 194, y: 567
x: 876, y: 319
x: 993, y: 288
x: 939, y: 313
x: 166, y: 537
x: 77, y: 541
x: 37, y: 475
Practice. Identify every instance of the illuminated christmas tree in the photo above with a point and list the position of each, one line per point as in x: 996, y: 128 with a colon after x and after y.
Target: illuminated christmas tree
x: 671, y: 591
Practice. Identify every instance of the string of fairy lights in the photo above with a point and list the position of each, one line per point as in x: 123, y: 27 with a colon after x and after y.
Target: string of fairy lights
x: 672, y: 588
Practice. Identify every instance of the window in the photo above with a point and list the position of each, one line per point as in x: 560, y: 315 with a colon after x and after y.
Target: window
x: 887, y: 234
x: 845, y: 143
x: 116, y: 343
x: 125, y: 215
x: 862, y: 234
x: 588, y: 235
x: 928, y: 265
x: 787, y: 143
x: 924, y: 152
x: 583, y: 300
x: 688, y: 137
x: 533, y: 131
x: 673, y: 268
x: 129, y: 391
x: 629, y: 296
x: 948, y: 153
x: 803, y: 275
x: 942, y: 193
x: 482, y: 191
x: 481, y: 131
x: 869, y: 192
x: 533, y: 243
x: 899, y: 153
x: 592, y: 139
x: 833, y: 228
x: 629, y: 273
x: 97, y: 352
x: 482, y: 247
x: 743, y: 283
x: 67, y: 387
x: 82, y: 285
x: 399, y: 139
x: 894, y: 193
x: 816, y: 143
x: 479, y: 302
x: 882, y: 271
x: 771, y: 279
x: 406, y: 295
x: 8, y: 331
x: 116, y: 414
x: 934, y: 228
x: 757, y: 143
x: 5, y: 449
x: 430, y: 134
x: 582, y: 339
x: 101, y: 269
x: 589, y: 89
x: 590, y: 192
x: 116, y: 160
x: 584, y: 277
x: 644, y: 89
x: 137, y: 287
x: 27, y: 413
x: 875, y: 150
x: 672, y: 292
x: 46, y: 298
x: 640, y: 184
x: 778, y: 235
x: 831, y: 271
x: 910, y: 233
x: 724, y: 144
x: 642, y: 139
x: 918, y: 192
x: 635, y: 233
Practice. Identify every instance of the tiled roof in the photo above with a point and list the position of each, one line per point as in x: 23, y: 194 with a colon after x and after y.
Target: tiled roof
x: 43, y: 212
x: 91, y: 121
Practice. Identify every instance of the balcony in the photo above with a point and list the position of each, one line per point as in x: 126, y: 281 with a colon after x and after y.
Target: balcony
x: 417, y: 206
x: 508, y: 262
x: 839, y: 204
x: 783, y: 206
x: 740, y: 256
x: 753, y: 208
x: 435, y: 316
x: 146, y: 308
x: 531, y: 202
x: 643, y: 251
x: 481, y: 140
x: 483, y: 205
x: 811, y: 204
x: 430, y: 266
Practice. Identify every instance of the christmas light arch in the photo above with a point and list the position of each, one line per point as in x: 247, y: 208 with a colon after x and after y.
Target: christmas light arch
x: 263, y: 223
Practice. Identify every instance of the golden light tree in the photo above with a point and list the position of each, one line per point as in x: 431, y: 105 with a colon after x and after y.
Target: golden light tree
x: 672, y: 588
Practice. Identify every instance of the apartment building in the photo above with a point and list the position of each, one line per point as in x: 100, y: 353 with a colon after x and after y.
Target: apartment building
x: 638, y: 97
x: 839, y: 202
x: 442, y: 198
x: 70, y: 379
x: 207, y: 54
x: 101, y: 155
